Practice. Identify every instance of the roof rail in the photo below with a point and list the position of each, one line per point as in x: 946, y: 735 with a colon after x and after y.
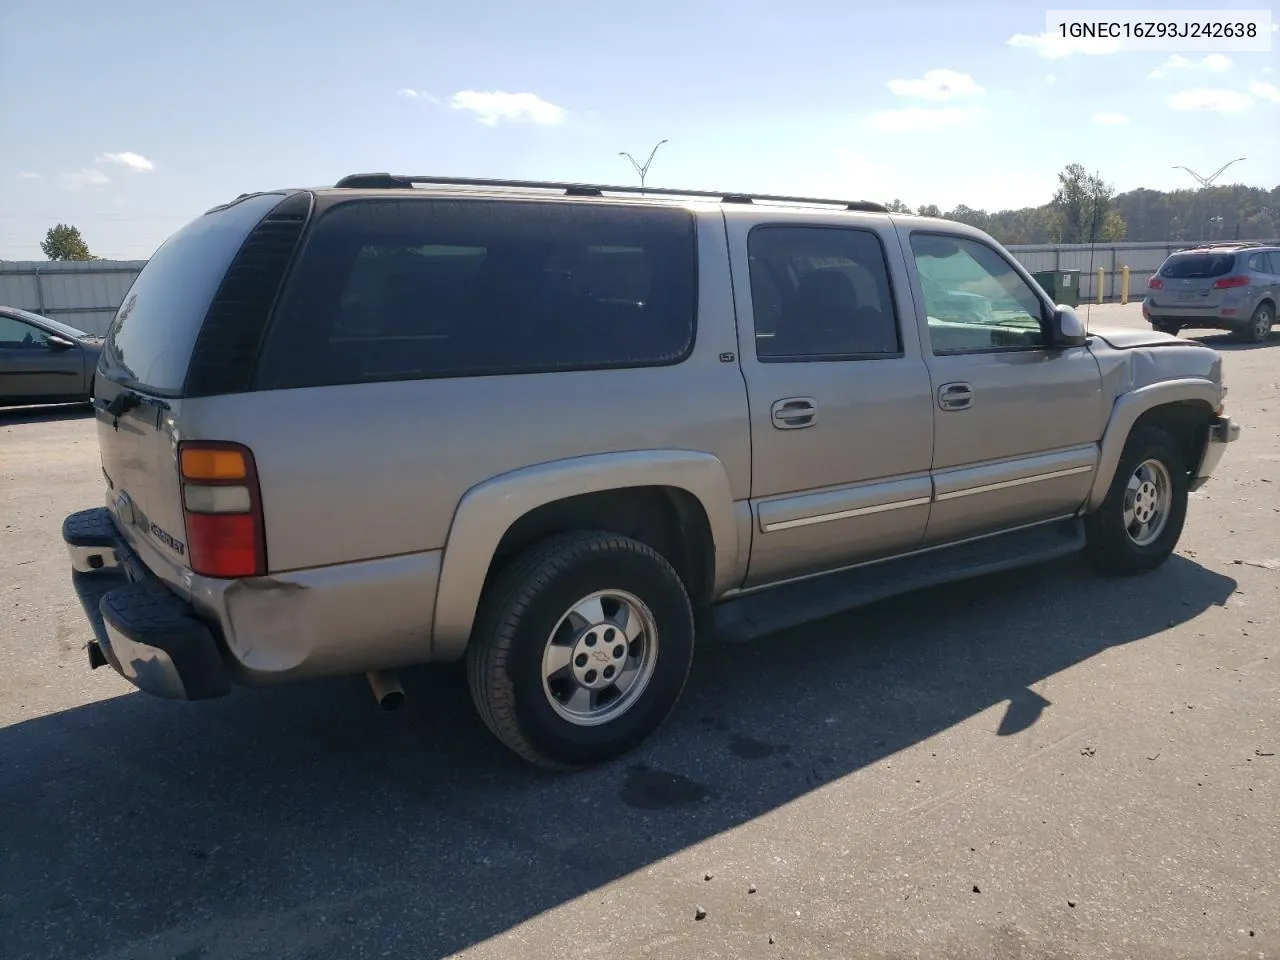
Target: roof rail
x: 1230, y: 243
x: 387, y: 181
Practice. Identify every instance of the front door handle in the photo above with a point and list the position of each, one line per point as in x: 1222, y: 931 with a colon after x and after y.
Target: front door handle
x: 955, y: 396
x: 794, y: 413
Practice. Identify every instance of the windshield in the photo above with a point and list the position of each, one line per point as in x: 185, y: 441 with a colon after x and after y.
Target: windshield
x: 1196, y: 266
x: 55, y: 326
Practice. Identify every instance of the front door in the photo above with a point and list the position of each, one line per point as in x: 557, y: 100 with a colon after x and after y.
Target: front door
x: 840, y: 400
x: 33, y: 367
x: 1017, y: 421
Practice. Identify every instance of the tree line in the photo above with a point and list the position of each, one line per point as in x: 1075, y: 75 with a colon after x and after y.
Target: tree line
x: 1085, y: 209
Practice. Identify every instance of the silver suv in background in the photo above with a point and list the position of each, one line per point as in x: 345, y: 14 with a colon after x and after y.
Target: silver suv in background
x: 555, y: 430
x: 1223, y: 286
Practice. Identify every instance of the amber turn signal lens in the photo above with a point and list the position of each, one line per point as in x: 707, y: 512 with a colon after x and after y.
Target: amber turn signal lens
x: 213, y: 464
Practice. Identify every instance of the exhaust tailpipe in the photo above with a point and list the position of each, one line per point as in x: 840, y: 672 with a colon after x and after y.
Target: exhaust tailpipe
x: 386, y: 689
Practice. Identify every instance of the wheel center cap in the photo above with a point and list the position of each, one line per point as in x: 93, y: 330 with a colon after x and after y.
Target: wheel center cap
x: 598, y: 656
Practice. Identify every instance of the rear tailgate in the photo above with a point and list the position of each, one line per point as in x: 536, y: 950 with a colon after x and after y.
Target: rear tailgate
x: 142, y: 377
x: 1187, y: 281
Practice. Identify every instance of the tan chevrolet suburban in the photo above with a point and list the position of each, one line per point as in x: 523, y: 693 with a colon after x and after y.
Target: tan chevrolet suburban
x: 554, y: 430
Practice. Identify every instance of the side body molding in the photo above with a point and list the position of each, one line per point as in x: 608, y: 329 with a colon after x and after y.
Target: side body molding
x: 488, y: 510
x: 1125, y: 413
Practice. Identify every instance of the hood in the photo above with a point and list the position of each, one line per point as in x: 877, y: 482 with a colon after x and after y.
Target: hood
x: 1127, y: 338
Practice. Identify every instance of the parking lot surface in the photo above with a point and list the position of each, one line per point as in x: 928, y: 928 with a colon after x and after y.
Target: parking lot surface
x: 1042, y: 764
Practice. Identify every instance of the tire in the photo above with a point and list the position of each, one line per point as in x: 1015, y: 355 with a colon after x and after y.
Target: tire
x: 1169, y: 328
x: 1259, y: 328
x: 1109, y: 543
x: 534, y: 599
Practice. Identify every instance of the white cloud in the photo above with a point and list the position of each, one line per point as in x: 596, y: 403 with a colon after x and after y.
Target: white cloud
x: 919, y: 119
x: 1053, y: 47
x: 1219, y: 101
x: 86, y: 177
x: 937, y: 85
x: 1111, y: 119
x: 133, y: 161
x: 494, y: 106
x: 1266, y: 70
x: 1050, y: 78
x: 410, y: 94
x: 1213, y: 63
x: 29, y: 175
x: 1265, y: 91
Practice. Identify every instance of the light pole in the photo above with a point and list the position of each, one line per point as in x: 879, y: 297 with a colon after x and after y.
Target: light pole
x: 642, y: 171
x: 1211, y: 221
x: 1208, y: 181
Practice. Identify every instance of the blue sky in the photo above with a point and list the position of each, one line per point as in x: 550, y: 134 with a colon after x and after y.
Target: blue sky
x: 130, y: 118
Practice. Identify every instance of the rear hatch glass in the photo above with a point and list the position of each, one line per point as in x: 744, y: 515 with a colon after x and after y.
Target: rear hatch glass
x: 143, y: 368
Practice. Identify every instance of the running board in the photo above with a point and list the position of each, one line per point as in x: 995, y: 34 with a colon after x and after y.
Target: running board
x: 770, y: 610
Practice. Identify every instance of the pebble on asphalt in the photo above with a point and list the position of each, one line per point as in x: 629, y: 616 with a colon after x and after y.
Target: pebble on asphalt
x: 699, y: 914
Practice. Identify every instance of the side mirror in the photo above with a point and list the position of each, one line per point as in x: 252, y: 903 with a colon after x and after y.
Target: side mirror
x: 1066, y: 329
x: 59, y: 343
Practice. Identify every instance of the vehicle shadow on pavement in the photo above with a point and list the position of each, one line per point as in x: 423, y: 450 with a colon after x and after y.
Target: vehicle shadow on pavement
x: 300, y: 822
x: 50, y: 413
x: 1228, y: 342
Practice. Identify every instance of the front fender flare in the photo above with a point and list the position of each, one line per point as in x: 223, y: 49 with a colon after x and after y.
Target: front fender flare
x: 1128, y: 408
x: 488, y: 510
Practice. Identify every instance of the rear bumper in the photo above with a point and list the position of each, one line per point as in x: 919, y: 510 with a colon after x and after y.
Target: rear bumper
x: 1222, y: 431
x: 1226, y: 316
x: 145, y: 632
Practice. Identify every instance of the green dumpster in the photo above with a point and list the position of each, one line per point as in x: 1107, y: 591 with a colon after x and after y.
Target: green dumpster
x: 1062, y: 285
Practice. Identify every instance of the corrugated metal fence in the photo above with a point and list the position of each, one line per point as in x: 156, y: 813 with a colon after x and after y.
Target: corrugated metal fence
x: 86, y: 294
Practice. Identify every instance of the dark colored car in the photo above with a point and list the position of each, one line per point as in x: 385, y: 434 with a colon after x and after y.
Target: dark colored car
x: 44, y: 361
x: 1221, y: 286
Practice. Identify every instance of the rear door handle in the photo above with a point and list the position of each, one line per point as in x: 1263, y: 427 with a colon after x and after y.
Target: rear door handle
x: 794, y: 413
x: 955, y: 396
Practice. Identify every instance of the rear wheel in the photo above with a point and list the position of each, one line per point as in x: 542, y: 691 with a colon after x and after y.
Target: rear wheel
x: 1259, y: 328
x: 1139, y: 523
x: 1164, y: 326
x: 581, y: 649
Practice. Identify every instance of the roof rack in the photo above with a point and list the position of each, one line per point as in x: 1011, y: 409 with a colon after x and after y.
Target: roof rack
x: 387, y: 181
x: 1229, y: 243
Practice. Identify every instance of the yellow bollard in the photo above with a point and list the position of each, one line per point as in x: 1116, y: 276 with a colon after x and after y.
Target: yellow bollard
x: 1124, y: 286
x: 1102, y: 276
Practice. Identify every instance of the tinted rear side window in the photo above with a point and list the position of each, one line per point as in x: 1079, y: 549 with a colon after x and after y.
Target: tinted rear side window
x: 404, y: 289
x: 149, y: 343
x: 1194, y: 266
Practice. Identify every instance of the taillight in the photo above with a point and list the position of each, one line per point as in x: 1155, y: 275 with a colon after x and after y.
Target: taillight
x: 223, y: 511
x: 1225, y: 283
x: 1155, y: 283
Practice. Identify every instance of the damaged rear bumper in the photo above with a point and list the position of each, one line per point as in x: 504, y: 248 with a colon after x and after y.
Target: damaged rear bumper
x: 142, y: 630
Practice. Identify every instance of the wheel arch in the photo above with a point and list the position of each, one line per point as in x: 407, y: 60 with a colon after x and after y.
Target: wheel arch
x: 678, y: 502
x: 1183, y: 408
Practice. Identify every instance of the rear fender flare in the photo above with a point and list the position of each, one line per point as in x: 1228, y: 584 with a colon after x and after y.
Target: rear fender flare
x: 489, y: 509
x: 1128, y: 408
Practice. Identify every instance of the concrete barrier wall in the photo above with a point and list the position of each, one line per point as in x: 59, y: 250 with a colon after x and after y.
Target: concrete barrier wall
x: 86, y: 294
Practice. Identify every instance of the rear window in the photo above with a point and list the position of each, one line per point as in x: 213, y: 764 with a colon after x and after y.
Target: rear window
x: 1193, y: 266
x: 415, y: 288
x: 149, y: 343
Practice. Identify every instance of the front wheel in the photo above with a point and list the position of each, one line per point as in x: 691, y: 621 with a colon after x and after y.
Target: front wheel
x: 1139, y: 523
x: 581, y: 649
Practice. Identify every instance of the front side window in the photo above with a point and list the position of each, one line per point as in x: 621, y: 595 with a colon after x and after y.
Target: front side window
x: 16, y: 334
x: 421, y: 288
x: 974, y: 299
x: 821, y: 293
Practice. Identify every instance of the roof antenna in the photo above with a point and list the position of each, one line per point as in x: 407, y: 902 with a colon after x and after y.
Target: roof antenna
x: 1094, y: 229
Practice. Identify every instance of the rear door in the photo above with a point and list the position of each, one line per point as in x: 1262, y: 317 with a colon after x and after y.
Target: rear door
x: 142, y: 376
x: 840, y: 404
x: 35, y: 367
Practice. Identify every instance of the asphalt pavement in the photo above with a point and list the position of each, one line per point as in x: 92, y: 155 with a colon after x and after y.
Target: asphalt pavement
x: 1041, y: 764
